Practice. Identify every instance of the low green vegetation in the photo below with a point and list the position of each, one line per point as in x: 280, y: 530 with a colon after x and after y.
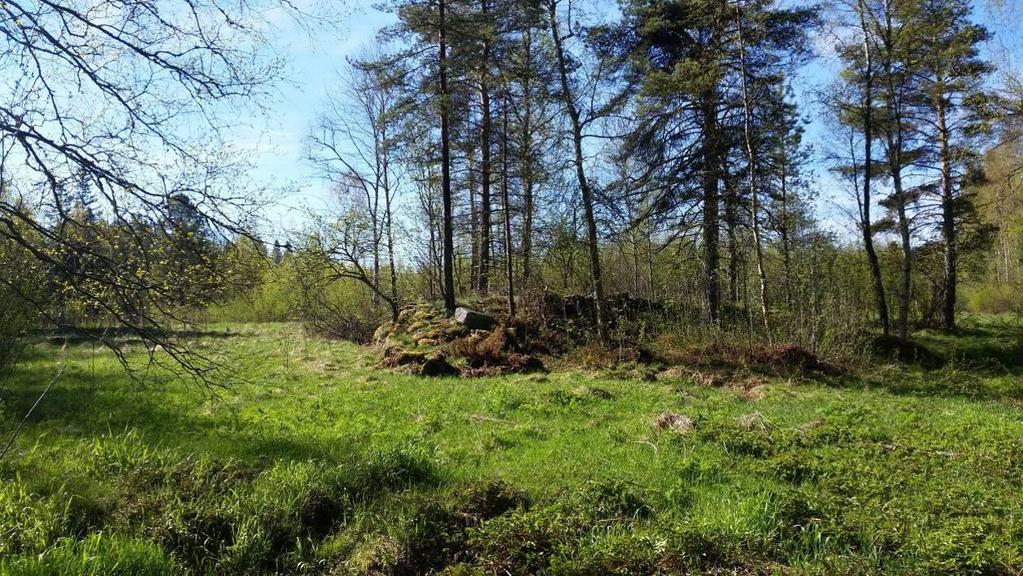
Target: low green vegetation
x: 317, y: 461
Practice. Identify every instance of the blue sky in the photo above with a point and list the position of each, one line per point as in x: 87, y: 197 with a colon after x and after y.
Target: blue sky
x: 316, y: 55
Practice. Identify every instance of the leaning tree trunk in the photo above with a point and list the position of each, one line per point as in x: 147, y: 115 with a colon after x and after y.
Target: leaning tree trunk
x: 751, y: 155
x: 596, y: 281
x: 865, y: 222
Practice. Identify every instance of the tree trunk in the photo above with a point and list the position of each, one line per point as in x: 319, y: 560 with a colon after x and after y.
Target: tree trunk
x: 483, y: 282
x: 783, y: 231
x: 905, y: 287
x: 751, y: 155
x: 509, y: 264
x: 895, y: 141
x: 711, y: 167
x: 374, y: 211
x: 374, y: 297
x: 474, y: 219
x: 445, y: 164
x: 731, y: 228
x: 389, y: 231
x: 596, y: 281
x: 948, y: 226
x: 868, y: 141
x: 435, y: 284
x: 526, y: 162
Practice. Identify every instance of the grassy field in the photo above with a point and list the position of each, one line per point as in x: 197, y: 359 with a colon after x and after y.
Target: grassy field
x: 317, y: 462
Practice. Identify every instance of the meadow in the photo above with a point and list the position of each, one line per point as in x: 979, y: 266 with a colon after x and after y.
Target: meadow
x: 316, y: 461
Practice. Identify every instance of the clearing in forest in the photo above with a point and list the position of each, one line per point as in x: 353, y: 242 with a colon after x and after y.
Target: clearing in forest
x: 317, y: 461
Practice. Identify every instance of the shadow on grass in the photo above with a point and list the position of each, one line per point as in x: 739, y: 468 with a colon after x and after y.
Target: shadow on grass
x: 992, y: 350
x: 938, y: 383
x: 88, y: 404
x: 116, y: 336
x: 206, y: 487
x: 983, y: 362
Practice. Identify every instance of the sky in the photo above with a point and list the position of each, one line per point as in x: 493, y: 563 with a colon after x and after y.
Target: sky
x: 315, y: 57
x: 316, y: 54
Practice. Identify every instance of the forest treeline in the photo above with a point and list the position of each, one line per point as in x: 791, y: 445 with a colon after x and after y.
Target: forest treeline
x: 495, y: 151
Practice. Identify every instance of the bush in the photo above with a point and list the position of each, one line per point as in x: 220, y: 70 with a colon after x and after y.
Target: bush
x: 994, y: 299
x: 17, y: 315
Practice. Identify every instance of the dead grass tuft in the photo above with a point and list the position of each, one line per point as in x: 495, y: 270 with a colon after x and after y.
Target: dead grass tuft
x: 754, y: 422
x: 674, y: 422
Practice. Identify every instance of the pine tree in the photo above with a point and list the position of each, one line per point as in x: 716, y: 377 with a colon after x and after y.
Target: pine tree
x: 859, y: 80
x: 953, y: 91
x: 698, y: 65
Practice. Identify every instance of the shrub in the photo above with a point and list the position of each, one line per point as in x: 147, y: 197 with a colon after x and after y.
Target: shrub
x: 994, y: 299
x: 16, y: 317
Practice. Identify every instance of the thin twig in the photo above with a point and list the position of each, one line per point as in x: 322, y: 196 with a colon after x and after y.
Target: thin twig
x: 484, y: 418
x: 28, y: 414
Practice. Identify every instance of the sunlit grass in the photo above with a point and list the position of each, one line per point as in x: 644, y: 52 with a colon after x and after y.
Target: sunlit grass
x: 316, y: 461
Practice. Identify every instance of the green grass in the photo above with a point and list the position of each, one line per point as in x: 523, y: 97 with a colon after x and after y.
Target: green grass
x: 317, y: 462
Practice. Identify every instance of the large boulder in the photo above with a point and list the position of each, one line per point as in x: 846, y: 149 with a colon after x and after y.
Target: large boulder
x: 474, y: 320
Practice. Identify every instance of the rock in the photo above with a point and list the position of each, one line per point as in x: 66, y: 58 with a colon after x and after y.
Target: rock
x: 474, y: 320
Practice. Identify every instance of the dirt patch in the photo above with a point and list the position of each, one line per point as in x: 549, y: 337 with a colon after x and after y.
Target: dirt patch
x: 598, y: 357
x: 437, y: 365
x: 710, y: 379
x: 811, y: 425
x: 748, y: 385
x: 788, y: 357
x: 755, y: 393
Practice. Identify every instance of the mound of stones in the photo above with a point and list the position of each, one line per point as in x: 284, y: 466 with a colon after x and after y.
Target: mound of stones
x: 425, y: 341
